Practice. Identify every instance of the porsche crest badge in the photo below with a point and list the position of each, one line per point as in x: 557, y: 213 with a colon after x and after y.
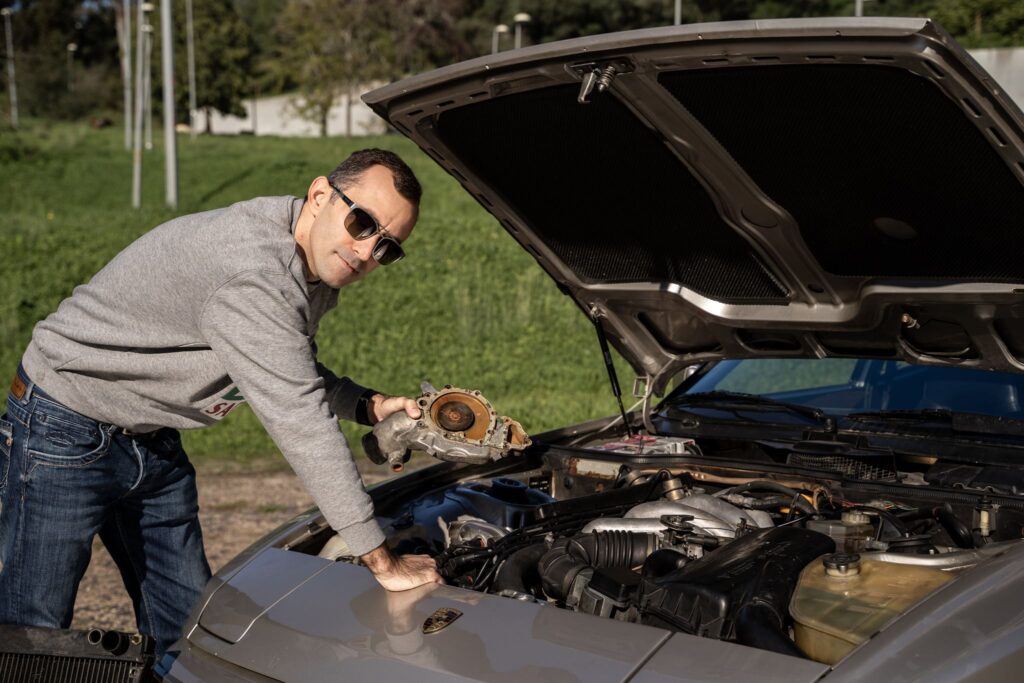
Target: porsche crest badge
x: 441, y: 619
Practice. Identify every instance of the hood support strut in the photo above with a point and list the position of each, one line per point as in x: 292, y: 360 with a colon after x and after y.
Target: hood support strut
x: 602, y: 339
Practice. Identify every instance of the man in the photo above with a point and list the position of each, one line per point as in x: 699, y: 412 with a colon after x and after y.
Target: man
x: 193, y: 318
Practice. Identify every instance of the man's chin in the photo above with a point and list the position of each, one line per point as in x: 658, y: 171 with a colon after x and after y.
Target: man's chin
x: 338, y: 280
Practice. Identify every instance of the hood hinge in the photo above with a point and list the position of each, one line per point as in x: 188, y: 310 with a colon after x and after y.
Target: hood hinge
x: 599, y: 76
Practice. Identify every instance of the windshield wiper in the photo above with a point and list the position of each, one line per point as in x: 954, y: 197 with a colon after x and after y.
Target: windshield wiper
x: 735, y: 399
x: 969, y: 423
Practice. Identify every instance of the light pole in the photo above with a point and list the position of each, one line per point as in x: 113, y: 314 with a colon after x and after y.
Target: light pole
x: 126, y: 70
x: 170, y: 139
x: 858, y: 7
x: 12, y: 88
x: 137, y: 133
x: 679, y: 12
x: 496, y: 34
x: 192, y: 70
x: 72, y: 48
x: 147, y: 82
x: 519, y: 20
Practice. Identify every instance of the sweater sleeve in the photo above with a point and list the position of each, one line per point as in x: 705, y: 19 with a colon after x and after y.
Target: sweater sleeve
x: 256, y: 324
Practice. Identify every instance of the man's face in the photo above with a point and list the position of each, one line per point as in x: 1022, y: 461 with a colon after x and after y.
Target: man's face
x: 332, y: 255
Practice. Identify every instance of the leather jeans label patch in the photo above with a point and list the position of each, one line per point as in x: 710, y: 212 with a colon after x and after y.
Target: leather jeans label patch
x: 18, y: 388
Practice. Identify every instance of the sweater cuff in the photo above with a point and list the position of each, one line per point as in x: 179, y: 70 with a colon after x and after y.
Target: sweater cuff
x: 361, y: 537
x: 346, y: 397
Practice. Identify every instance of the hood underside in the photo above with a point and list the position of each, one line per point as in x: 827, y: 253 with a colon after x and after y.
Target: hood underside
x: 818, y: 187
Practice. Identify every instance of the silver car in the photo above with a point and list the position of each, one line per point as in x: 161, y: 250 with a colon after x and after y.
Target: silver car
x: 805, y: 235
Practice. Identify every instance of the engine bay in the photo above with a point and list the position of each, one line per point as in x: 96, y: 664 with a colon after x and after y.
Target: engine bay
x: 653, y: 530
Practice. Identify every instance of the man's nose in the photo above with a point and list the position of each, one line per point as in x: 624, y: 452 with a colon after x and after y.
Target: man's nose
x: 364, y: 248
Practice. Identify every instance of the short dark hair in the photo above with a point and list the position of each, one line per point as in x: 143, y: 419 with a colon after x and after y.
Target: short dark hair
x: 351, y: 170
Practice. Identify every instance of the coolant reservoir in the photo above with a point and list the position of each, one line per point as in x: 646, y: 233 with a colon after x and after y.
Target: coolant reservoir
x: 842, y: 600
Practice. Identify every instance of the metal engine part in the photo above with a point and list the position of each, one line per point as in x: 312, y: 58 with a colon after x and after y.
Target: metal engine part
x: 703, y: 513
x: 468, y: 529
x: 455, y: 424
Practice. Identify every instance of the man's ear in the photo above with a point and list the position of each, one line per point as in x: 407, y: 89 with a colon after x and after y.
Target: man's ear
x: 319, y: 194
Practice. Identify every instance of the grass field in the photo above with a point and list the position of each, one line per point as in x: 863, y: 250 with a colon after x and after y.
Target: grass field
x: 467, y: 307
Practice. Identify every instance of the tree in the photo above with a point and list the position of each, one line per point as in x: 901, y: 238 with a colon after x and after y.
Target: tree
x: 329, y: 49
x: 316, y: 52
x: 977, y: 23
x: 223, y: 50
x: 42, y: 31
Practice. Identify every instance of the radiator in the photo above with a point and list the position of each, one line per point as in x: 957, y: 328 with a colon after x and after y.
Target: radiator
x: 38, y: 655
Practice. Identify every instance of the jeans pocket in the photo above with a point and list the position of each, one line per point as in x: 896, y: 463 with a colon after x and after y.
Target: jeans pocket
x: 6, y: 441
x: 56, y: 446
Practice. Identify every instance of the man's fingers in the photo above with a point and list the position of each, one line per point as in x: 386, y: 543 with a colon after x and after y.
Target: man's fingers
x: 388, y: 405
x: 411, y: 409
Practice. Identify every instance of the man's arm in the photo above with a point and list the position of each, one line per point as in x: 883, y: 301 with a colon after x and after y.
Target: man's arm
x: 254, y: 324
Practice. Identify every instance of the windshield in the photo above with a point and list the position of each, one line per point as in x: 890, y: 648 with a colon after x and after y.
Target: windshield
x: 840, y: 386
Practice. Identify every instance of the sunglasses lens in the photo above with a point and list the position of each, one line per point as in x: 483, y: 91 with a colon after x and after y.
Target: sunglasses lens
x: 360, y: 225
x: 387, y: 251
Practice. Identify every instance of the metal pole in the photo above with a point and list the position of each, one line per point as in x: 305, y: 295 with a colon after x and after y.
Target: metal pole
x: 126, y: 69
x: 192, y: 70
x: 496, y: 34
x: 71, y: 66
x: 170, y: 139
x: 137, y: 142
x: 679, y: 12
x: 858, y: 8
x: 12, y: 87
x: 147, y: 88
x: 520, y: 19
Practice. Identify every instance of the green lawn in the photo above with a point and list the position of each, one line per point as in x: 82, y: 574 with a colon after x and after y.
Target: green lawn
x: 467, y: 307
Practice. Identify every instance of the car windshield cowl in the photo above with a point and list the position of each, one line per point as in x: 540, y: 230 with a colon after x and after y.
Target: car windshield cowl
x: 734, y: 399
x: 944, y: 419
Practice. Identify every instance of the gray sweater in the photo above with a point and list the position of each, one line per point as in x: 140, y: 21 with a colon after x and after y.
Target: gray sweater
x: 196, y: 316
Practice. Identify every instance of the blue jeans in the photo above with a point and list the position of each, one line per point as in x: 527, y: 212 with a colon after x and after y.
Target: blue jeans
x: 64, y: 478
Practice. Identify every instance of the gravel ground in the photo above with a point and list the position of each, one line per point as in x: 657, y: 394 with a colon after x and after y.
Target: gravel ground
x: 236, y: 507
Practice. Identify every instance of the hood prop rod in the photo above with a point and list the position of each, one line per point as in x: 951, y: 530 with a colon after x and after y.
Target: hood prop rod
x: 602, y: 339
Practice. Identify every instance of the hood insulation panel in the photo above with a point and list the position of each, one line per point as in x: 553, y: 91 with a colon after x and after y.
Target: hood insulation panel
x: 605, y: 193
x: 877, y: 189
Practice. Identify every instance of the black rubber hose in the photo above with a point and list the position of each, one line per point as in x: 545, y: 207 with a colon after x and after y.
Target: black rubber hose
x: 662, y: 562
x: 766, y: 503
x: 520, y: 569
x: 959, y: 532
x: 758, y: 625
x: 560, y: 566
x: 956, y: 529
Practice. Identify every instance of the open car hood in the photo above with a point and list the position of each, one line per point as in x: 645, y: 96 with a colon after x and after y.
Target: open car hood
x: 811, y: 187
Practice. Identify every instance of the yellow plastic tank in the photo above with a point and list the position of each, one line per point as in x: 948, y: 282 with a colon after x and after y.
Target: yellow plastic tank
x: 842, y: 600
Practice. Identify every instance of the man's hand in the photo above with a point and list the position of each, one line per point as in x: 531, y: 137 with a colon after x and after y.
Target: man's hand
x: 400, y: 573
x: 381, y: 406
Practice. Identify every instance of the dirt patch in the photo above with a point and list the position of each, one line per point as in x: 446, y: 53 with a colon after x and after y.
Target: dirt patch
x: 236, y: 507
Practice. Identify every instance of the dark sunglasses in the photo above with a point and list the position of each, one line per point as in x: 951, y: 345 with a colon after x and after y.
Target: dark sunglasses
x: 362, y: 226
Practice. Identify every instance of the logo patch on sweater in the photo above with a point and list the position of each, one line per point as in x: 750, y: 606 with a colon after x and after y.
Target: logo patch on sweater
x: 231, y: 399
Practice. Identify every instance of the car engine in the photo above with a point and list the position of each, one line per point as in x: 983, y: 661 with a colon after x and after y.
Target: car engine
x: 795, y: 566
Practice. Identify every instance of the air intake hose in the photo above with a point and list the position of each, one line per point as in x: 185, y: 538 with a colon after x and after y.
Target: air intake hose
x: 520, y: 569
x: 600, y: 550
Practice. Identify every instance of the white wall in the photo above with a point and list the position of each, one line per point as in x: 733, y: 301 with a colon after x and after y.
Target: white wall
x: 277, y: 116
x: 1006, y: 64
